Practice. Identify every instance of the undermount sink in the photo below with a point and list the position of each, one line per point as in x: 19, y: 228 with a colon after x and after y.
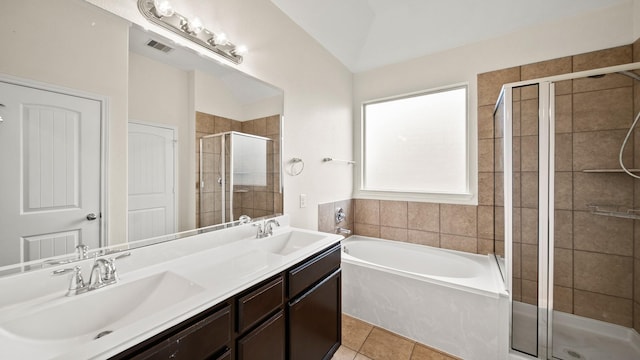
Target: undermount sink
x: 289, y: 242
x: 102, y: 311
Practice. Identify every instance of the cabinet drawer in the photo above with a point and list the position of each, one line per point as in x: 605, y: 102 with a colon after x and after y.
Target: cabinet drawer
x: 200, y: 340
x: 225, y: 356
x: 312, y: 270
x: 259, y: 303
x: 267, y: 341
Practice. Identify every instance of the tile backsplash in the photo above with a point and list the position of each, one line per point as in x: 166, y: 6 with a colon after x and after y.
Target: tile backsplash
x: 327, y: 216
x: 441, y: 225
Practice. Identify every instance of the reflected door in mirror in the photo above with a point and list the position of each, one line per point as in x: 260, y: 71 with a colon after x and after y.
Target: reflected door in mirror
x: 151, y: 181
x: 50, y: 182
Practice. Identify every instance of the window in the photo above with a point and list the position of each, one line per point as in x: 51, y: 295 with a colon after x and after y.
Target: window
x: 417, y: 147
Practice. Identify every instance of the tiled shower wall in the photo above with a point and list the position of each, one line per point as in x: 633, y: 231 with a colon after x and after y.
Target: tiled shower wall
x: 258, y: 200
x: 596, y: 257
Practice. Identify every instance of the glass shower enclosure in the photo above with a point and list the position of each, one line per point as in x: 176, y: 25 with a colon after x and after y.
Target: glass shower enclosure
x: 236, y: 177
x: 570, y: 213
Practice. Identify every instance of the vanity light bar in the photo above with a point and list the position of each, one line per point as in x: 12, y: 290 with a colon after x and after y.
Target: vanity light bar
x: 190, y: 29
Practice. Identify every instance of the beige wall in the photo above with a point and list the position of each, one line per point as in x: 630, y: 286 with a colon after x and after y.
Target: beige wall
x: 263, y: 108
x: 85, y: 52
x: 211, y: 96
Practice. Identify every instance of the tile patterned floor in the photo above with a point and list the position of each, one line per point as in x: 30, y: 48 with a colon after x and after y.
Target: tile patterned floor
x: 363, y: 341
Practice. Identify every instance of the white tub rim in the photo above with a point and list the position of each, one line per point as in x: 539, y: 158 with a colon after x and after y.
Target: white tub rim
x: 499, y: 288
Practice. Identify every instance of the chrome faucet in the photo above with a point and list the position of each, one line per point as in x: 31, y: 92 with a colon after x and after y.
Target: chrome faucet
x: 260, y: 232
x: 341, y: 230
x: 81, y: 254
x: 81, y: 251
x: 103, y: 273
x: 268, y: 226
x: 265, y: 229
x: 76, y: 282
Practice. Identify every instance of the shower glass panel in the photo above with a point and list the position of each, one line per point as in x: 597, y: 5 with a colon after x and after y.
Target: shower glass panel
x: 570, y: 213
x: 524, y: 214
x: 237, y: 177
x: 498, y: 179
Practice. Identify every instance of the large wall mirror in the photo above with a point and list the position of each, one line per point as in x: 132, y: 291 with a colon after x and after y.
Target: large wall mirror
x: 111, y: 134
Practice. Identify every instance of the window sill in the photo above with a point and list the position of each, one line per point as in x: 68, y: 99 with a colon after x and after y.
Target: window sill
x: 440, y: 198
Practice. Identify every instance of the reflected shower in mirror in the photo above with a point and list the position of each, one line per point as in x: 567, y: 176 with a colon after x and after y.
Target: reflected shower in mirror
x: 237, y: 174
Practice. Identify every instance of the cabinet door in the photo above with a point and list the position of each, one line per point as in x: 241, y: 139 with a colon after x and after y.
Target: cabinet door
x: 315, y: 321
x: 267, y: 341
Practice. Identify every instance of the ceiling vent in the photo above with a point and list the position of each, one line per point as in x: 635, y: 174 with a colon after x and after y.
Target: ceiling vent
x: 159, y: 46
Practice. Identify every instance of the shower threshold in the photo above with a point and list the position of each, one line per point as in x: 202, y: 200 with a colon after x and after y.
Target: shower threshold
x: 576, y: 337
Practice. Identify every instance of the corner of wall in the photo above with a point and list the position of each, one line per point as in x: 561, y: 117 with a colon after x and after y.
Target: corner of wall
x: 636, y: 19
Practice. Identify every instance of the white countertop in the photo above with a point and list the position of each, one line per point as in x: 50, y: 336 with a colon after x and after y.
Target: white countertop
x: 216, y: 265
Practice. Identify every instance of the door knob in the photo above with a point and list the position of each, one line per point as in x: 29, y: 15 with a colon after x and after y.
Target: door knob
x: 91, y: 216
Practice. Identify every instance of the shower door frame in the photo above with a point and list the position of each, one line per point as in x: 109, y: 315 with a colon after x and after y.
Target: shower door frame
x: 223, y: 166
x: 546, y: 208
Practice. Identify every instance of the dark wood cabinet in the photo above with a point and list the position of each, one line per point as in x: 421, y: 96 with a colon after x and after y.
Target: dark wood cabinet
x: 312, y: 270
x: 259, y: 303
x: 294, y: 315
x: 314, y: 321
x: 266, y: 342
x: 227, y: 355
x: 206, y: 336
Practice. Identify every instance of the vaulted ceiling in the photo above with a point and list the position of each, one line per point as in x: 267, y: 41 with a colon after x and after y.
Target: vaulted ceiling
x: 367, y: 34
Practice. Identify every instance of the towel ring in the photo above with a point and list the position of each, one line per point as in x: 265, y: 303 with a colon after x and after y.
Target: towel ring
x: 296, y: 166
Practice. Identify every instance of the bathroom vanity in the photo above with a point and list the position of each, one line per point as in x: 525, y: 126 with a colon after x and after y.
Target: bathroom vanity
x: 221, y: 295
x: 296, y: 312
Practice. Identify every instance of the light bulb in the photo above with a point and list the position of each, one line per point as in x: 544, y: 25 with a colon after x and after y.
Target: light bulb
x: 221, y: 39
x: 195, y: 25
x: 240, y: 50
x: 163, y: 8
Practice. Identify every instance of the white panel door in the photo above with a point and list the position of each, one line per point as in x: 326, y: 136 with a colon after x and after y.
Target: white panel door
x: 50, y: 177
x: 151, y: 181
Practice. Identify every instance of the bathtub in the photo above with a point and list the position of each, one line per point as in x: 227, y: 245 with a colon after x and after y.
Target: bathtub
x: 452, y: 301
